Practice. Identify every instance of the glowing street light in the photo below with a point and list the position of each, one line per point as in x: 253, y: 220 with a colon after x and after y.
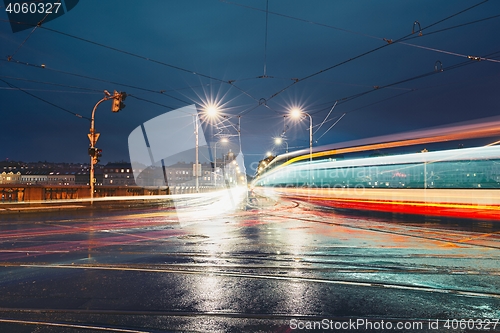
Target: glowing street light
x: 279, y: 141
x: 212, y: 110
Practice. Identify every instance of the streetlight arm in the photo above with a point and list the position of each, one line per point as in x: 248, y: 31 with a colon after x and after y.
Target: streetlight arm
x: 310, y: 135
x: 93, y: 112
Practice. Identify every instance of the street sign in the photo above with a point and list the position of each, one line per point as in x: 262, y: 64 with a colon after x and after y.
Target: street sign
x: 93, y: 140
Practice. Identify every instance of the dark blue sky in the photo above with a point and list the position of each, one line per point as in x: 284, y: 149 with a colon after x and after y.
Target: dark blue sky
x: 226, y: 41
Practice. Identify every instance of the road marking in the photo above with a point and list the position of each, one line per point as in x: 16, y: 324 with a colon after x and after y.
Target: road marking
x: 87, y: 327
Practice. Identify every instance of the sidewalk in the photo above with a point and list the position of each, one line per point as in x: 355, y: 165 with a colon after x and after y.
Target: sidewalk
x: 99, y: 203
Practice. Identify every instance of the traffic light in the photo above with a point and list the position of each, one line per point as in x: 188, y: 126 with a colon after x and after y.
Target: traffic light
x: 98, y: 155
x: 118, y: 98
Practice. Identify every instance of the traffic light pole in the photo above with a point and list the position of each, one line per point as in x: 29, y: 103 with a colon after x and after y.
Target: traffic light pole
x: 93, y: 136
x: 118, y: 98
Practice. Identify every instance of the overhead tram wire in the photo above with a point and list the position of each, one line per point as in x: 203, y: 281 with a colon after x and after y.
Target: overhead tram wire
x: 265, y: 41
x: 52, y: 91
x: 329, y: 128
x: 355, y: 96
x: 267, y: 12
x: 455, y: 26
x: 31, y: 33
x: 357, y: 32
x: 75, y: 87
x: 446, y: 69
x: 333, y: 107
x: 348, y: 99
x: 451, y: 53
x: 230, y: 82
x: 398, y: 95
x: 161, y: 92
x: 379, y: 38
x: 151, y: 102
x: 81, y: 88
x: 44, y: 100
x: 151, y: 60
x: 96, y: 79
x: 50, y: 83
x: 300, y: 19
x: 373, y: 50
x: 352, y: 97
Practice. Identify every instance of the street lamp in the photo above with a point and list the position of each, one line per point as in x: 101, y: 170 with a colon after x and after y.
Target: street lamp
x: 279, y: 141
x: 223, y: 140
x: 297, y: 113
x: 211, y: 110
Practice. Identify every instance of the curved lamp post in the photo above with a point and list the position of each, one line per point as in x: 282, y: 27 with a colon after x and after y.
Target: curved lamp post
x: 297, y: 113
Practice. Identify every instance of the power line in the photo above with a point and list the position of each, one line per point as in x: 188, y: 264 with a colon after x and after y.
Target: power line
x: 95, y: 79
x: 50, y: 83
x: 151, y: 60
x: 373, y: 50
x: 44, y: 100
x: 149, y: 101
x: 329, y: 128
x: 455, y: 26
x: 300, y: 19
x: 161, y: 92
x: 50, y: 90
x: 447, y: 69
x: 31, y: 33
x: 265, y: 42
x: 333, y: 107
x: 230, y: 82
x: 477, y: 58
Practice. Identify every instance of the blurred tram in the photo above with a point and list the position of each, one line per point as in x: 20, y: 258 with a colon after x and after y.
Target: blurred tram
x: 461, y: 183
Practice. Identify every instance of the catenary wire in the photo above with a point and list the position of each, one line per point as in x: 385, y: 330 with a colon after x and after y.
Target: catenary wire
x: 30, y: 34
x: 44, y: 100
x: 373, y: 50
x: 95, y: 79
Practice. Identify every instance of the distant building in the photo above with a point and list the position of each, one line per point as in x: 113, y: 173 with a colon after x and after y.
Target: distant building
x: 35, y: 177
x: 10, y: 177
x: 60, y: 178
x: 184, y: 173
x: 264, y: 163
x: 118, y: 174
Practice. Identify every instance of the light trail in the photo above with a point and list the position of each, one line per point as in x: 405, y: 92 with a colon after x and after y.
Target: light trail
x: 489, y: 127
x: 86, y: 245
x: 399, y: 233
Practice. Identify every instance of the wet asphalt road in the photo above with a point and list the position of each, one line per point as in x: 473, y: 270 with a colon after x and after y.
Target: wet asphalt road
x: 276, y: 266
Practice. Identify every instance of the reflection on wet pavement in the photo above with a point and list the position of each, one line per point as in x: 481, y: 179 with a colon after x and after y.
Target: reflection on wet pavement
x: 251, y: 270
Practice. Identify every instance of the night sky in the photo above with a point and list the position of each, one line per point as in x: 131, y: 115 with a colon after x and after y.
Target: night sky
x: 312, y: 54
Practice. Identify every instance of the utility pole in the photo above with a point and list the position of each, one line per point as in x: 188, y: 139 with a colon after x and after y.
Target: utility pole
x: 197, y: 148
